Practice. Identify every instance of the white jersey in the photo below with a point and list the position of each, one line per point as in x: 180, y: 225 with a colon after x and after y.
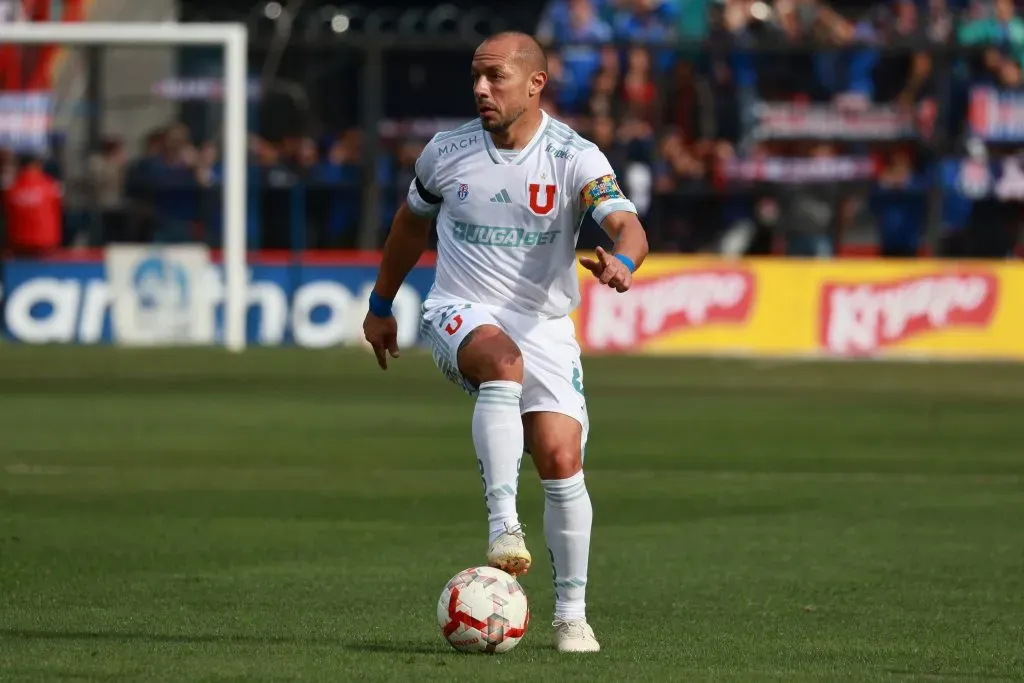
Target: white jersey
x: 508, y: 222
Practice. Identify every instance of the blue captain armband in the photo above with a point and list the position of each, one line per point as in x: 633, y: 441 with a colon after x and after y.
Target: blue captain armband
x: 628, y: 261
x: 380, y: 306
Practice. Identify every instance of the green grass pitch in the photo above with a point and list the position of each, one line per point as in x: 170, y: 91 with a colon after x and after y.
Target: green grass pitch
x: 293, y: 515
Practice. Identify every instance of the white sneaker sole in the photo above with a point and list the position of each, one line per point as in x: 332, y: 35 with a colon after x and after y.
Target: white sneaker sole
x: 514, y: 564
x: 578, y: 648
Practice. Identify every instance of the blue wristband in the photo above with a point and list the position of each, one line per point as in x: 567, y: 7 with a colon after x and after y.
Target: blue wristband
x: 628, y: 261
x: 380, y: 306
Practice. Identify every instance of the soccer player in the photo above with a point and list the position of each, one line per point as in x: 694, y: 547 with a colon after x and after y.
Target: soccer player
x: 509, y: 191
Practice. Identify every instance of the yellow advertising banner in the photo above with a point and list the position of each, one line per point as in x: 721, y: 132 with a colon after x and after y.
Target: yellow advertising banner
x: 780, y: 307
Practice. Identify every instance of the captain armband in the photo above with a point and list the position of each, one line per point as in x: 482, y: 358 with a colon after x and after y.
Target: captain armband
x: 601, y: 190
x: 426, y: 195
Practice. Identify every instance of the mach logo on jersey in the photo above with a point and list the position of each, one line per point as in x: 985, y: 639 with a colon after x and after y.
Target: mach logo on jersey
x: 496, y: 236
x: 456, y: 145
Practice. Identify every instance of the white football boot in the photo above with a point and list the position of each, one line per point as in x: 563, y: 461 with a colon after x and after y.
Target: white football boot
x: 575, y: 635
x: 508, y: 552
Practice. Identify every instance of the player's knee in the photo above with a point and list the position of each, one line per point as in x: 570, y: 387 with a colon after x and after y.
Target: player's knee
x: 502, y: 363
x: 489, y: 355
x: 559, y: 462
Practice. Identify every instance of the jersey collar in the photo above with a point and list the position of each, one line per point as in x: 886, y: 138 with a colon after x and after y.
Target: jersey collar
x: 519, y: 158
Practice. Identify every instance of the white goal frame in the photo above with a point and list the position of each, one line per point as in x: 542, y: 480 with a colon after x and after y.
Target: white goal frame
x: 234, y: 40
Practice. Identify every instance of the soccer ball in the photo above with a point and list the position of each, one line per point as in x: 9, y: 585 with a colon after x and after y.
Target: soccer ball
x: 483, y: 609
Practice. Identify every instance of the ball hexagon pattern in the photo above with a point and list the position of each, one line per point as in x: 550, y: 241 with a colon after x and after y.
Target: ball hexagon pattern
x: 483, y: 609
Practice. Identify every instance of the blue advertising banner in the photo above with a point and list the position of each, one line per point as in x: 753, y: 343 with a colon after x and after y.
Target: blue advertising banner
x: 310, y: 305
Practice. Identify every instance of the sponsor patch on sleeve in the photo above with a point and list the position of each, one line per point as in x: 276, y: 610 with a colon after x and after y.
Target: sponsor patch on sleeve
x: 600, y: 190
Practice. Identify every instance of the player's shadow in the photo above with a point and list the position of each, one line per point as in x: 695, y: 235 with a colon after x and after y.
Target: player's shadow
x: 391, y: 647
x: 406, y: 648
x: 134, y: 636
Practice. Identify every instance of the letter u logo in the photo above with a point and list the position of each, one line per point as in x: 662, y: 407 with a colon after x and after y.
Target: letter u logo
x: 541, y: 209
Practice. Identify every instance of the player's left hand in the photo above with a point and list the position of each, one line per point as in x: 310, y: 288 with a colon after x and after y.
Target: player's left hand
x: 609, y: 270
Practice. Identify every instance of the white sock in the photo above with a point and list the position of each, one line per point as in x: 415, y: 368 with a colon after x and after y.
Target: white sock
x: 498, y: 437
x: 568, y: 516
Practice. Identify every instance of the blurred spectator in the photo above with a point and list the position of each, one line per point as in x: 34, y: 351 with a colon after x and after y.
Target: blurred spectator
x: 899, y: 204
x: 275, y: 179
x: 604, y: 97
x: 337, y: 179
x: 140, y: 189
x: 1002, y: 32
x: 693, y: 19
x: 574, y: 21
x: 679, y: 177
x: 812, y: 217
x: 107, y: 178
x: 689, y: 106
x: 963, y: 181
x: 32, y: 211
x: 904, y: 76
x: 639, y: 93
x: 647, y: 21
x: 177, y: 188
x: 940, y: 21
x: 8, y: 168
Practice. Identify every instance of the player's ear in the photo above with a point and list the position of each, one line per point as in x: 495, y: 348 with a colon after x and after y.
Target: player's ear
x: 538, y: 79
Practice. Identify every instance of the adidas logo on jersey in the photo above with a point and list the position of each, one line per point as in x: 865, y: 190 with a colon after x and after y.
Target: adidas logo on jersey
x: 501, y: 198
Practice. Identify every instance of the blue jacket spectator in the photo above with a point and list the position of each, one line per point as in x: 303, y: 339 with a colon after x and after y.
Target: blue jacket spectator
x: 900, y: 205
x: 575, y: 21
x: 647, y: 21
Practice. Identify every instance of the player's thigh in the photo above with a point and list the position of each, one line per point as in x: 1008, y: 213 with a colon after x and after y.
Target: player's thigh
x: 554, y: 405
x: 469, y: 345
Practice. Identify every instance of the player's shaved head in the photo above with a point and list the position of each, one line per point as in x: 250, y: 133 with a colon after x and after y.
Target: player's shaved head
x: 521, y: 48
x: 509, y: 73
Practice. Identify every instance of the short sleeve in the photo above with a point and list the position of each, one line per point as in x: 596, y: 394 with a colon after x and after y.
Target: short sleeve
x: 424, y: 197
x: 597, y: 187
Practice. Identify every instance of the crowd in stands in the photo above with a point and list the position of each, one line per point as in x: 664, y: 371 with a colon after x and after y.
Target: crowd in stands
x: 683, y: 126
x: 804, y: 127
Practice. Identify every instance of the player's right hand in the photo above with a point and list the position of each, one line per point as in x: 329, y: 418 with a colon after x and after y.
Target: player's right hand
x: 382, y: 334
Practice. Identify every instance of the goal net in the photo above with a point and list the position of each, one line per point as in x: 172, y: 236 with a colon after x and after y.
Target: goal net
x: 124, y: 173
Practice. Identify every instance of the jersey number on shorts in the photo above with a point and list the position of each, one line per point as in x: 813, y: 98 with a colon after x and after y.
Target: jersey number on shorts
x: 453, y: 326
x: 577, y: 380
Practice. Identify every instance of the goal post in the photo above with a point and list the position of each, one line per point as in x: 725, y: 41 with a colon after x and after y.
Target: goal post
x: 233, y: 39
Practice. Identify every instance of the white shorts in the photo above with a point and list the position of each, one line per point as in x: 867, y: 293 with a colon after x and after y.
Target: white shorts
x: 552, y: 371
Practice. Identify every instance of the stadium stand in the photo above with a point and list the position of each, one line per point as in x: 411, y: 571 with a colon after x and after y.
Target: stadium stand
x: 798, y: 127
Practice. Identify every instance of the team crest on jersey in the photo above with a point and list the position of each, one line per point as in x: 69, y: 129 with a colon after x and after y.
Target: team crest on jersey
x: 463, y: 192
x: 541, y: 198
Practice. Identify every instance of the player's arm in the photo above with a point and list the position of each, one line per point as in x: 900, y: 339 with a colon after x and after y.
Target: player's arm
x: 410, y: 230
x: 406, y: 242
x: 628, y: 236
x: 602, y: 197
